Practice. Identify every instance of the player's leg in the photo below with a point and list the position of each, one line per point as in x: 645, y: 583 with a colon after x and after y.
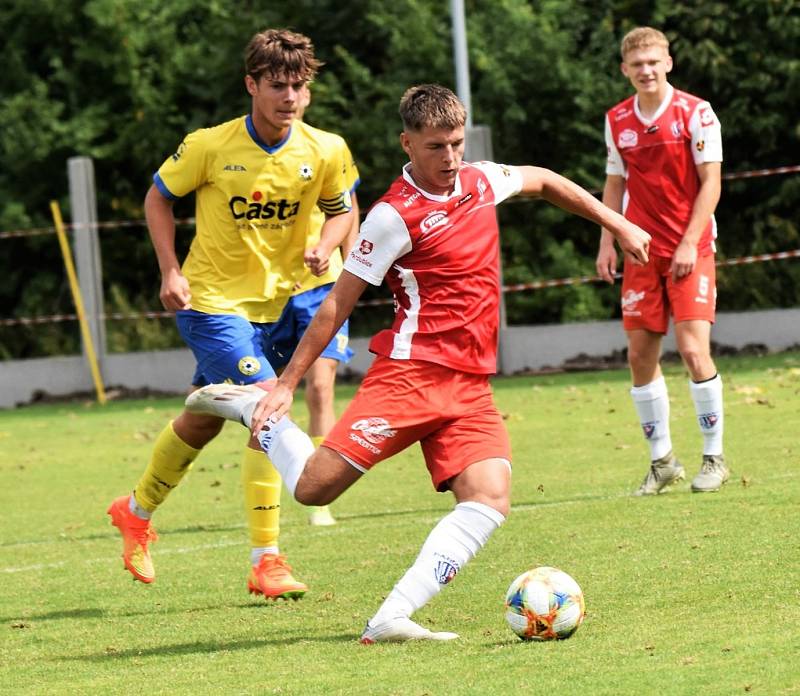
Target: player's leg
x: 693, y: 303
x: 320, y: 384
x: 482, y: 503
x: 174, y: 451
x: 176, y: 447
x: 320, y: 380
x: 476, y: 434
x: 645, y: 318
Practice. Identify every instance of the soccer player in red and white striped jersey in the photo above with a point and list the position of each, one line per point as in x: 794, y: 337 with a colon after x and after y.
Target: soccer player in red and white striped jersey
x: 663, y: 172
x: 434, y: 237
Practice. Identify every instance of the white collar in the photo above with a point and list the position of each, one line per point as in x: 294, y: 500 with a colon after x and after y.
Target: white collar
x: 662, y: 107
x: 434, y: 197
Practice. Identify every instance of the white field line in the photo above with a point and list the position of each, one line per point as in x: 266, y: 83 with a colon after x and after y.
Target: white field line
x: 397, y: 517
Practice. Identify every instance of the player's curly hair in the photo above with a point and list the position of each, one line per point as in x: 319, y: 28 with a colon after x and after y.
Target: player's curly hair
x: 431, y: 106
x: 275, y: 52
x: 642, y: 37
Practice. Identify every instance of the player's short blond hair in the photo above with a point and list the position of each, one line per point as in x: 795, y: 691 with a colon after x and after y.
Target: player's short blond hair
x: 431, y: 106
x: 642, y: 37
x: 280, y: 52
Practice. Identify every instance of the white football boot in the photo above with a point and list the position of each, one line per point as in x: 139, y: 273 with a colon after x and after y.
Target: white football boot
x: 713, y: 473
x: 229, y: 401
x: 399, y: 630
x: 663, y: 473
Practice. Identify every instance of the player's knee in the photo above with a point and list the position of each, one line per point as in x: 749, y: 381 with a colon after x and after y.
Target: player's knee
x: 196, y: 429
x: 309, y: 492
x: 696, y: 360
x: 319, y: 392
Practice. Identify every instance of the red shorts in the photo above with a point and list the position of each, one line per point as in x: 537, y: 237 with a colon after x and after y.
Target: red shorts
x: 649, y: 295
x: 400, y: 402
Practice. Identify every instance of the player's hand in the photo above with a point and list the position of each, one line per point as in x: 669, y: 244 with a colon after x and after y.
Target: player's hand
x: 683, y: 260
x: 175, y: 293
x: 277, y: 403
x: 634, y: 242
x: 606, y: 262
x: 317, y: 259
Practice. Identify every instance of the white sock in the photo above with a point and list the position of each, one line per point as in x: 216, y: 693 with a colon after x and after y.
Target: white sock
x: 137, y: 509
x: 288, y: 448
x: 707, y: 397
x: 452, y: 542
x: 258, y: 551
x: 652, y: 406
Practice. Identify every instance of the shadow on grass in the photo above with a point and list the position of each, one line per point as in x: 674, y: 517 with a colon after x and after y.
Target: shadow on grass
x: 149, y: 610
x: 111, y: 654
x: 83, y: 613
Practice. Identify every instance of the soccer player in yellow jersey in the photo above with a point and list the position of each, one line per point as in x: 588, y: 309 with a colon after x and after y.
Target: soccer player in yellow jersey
x: 320, y: 380
x: 257, y: 180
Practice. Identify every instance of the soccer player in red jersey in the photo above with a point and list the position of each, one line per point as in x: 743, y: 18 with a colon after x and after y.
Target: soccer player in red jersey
x: 663, y: 172
x: 434, y: 237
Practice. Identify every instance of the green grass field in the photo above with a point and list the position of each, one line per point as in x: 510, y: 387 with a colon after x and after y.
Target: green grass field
x: 685, y: 593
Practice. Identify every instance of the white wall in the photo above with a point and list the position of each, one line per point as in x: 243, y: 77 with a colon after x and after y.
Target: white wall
x: 523, y: 348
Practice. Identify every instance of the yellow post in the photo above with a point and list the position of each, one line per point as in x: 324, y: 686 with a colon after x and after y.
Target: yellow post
x: 66, y: 252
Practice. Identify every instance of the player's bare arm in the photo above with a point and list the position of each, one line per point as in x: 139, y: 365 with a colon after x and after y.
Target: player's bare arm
x: 335, y: 308
x: 160, y: 218
x: 606, y: 262
x: 334, y: 231
x: 560, y: 191
x: 352, y: 235
x: 685, y: 256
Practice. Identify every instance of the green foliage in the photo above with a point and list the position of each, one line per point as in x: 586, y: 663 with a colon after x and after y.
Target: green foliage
x: 123, y: 80
x: 686, y: 594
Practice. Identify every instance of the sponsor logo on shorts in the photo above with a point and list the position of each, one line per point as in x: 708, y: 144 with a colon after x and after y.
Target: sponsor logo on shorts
x: 628, y: 138
x: 703, y: 282
x: 366, y: 445
x: 249, y: 365
x: 629, y: 301
x: 708, y: 420
x: 446, y: 569
x: 373, y: 429
x: 701, y: 145
x: 366, y: 247
x: 649, y: 428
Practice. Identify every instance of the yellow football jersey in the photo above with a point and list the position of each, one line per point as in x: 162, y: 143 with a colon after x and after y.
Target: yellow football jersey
x: 253, y: 211
x: 308, y: 281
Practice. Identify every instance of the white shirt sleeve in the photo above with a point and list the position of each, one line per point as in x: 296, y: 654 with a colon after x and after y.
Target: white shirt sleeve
x: 706, y: 132
x: 382, y: 239
x: 505, y: 180
x: 615, y: 165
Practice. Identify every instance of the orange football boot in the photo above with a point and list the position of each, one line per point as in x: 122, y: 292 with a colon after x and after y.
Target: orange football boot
x: 136, y: 535
x: 272, y: 577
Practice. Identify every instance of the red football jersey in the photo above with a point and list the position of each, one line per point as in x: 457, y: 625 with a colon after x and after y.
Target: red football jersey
x: 658, y: 159
x: 440, y: 258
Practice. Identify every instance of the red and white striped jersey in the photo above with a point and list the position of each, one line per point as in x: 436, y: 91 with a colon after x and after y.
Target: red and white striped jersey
x: 658, y: 159
x: 440, y: 258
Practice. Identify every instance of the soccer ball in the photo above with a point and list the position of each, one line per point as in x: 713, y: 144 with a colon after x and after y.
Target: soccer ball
x: 544, y: 604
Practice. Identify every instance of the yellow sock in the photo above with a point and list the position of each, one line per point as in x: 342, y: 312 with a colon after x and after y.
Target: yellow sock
x: 262, y: 498
x: 169, y: 462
